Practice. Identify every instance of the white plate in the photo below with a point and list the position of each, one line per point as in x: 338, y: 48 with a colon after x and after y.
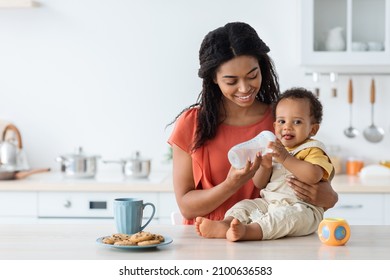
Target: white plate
x: 167, y: 240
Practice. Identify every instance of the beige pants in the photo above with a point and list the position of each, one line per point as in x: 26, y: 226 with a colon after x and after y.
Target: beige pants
x: 278, y: 218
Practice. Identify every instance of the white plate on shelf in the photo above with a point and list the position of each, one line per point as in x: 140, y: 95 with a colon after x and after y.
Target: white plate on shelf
x: 167, y: 240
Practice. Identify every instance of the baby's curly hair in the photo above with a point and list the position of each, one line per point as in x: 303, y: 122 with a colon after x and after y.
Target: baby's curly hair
x: 299, y: 92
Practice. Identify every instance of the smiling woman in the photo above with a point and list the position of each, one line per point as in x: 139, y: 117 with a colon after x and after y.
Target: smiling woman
x: 239, y: 86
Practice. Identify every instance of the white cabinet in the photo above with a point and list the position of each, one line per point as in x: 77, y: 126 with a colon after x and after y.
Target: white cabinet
x: 54, y: 207
x: 360, y: 209
x: 364, y: 26
x: 87, y: 207
x: 78, y: 207
x: 87, y: 204
x: 18, y: 207
x: 167, y: 206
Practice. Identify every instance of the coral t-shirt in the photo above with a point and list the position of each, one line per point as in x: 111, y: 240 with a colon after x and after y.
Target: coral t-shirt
x: 210, y: 163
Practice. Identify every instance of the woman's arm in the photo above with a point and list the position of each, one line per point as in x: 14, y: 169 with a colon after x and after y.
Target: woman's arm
x: 320, y: 194
x: 194, y: 203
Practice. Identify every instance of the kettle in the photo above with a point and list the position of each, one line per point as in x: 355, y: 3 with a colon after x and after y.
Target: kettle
x: 9, y: 150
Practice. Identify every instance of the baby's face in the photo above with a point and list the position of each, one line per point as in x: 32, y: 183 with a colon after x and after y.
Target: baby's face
x: 293, y: 123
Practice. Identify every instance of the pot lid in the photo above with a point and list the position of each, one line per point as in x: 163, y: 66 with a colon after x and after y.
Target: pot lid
x: 79, y: 153
x: 136, y: 156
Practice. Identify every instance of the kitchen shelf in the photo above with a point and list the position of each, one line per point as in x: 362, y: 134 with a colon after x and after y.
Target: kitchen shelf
x: 364, y: 26
x: 349, y: 73
x: 16, y: 4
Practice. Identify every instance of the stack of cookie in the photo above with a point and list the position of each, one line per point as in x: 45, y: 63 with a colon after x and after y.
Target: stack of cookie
x: 141, y: 238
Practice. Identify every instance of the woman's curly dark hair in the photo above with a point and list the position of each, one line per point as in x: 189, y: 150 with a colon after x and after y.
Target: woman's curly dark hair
x: 219, y: 46
x: 302, y: 93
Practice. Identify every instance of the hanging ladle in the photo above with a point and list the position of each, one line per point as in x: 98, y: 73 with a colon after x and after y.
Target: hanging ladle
x: 350, y: 132
x: 373, y: 133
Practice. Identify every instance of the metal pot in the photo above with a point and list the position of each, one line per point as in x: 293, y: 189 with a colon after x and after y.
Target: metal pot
x: 135, y: 166
x: 78, y: 165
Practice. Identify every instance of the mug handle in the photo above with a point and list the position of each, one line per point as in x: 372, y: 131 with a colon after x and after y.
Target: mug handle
x: 151, y: 216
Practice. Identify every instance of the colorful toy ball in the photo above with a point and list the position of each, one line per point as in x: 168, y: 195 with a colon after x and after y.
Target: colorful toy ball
x: 334, y: 231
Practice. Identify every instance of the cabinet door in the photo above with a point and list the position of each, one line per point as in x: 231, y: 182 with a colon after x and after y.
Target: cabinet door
x: 87, y: 204
x: 359, y: 209
x: 345, y: 32
x: 168, y: 205
x: 18, y: 204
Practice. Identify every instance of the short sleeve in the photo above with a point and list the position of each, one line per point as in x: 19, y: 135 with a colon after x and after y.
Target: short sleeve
x: 183, y: 134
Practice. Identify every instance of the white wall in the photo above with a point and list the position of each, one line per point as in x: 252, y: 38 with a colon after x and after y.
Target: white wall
x: 110, y: 75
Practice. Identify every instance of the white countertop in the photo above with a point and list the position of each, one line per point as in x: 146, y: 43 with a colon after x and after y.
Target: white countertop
x: 160, y: 182
x: 103, y: 182
x: 69, y: 242
x: 355, y: 184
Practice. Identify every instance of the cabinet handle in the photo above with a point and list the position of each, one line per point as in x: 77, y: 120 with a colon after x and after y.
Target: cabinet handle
x: 357, y: 206
x: 67, y: 204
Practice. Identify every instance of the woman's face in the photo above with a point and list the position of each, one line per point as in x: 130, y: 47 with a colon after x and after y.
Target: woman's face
x: 239, y: 80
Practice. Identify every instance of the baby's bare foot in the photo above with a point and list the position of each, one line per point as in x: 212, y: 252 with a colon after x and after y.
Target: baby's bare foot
x: 236, y: 231
x: 211, y: 229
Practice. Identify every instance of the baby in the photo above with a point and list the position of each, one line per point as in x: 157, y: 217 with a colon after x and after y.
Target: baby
x: 279, y: 213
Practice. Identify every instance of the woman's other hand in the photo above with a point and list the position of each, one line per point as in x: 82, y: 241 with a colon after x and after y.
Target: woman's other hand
x: 320, y: 194
x: 238, y: 177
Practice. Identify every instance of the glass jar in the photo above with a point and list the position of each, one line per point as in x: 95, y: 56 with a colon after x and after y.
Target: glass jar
x: 354, y: 165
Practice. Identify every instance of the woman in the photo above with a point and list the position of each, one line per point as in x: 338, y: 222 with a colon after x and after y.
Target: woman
x: 239, y: 85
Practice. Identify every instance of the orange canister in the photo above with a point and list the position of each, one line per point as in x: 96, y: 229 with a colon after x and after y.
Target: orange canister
x: 334, y: 231
x: 354, y: 166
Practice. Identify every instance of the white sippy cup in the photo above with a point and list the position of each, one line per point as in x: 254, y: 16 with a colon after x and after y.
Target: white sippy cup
x: 240, y: 153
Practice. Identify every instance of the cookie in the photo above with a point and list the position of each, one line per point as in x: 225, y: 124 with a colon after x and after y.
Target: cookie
x: 125, y: 243
x: 121, y: 236
x: 158, y: 237
x: 141, y: 236
x: 109, y: 240
x: 148, y: 242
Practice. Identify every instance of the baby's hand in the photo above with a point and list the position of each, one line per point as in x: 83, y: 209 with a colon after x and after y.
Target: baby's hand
x: 279, y: 152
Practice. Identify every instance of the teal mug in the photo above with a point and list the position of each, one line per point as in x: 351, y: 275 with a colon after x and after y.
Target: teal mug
x: 128, y: 214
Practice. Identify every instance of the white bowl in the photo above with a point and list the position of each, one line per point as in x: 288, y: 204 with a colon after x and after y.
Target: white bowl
x: 359, y: 46
x: 375, y: 46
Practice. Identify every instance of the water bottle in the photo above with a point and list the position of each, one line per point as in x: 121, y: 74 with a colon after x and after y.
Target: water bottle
x: 239, y: 154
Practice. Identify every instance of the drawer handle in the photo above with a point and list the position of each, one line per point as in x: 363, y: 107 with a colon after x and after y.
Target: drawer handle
x: 67, y: 204
x: 357, y: 206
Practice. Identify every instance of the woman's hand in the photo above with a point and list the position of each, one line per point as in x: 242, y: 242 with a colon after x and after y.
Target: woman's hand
x: 238, y: 177
x: 320, y: 194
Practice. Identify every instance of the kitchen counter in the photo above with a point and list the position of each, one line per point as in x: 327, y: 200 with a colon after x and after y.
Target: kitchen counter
x: 355, y: 184
x: 103, y: 182
x: 68, y: 242
x: 161, y: 182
